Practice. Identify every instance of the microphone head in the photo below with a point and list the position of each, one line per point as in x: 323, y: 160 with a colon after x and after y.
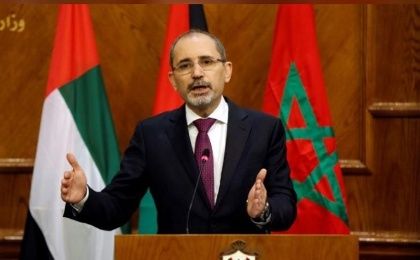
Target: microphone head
x: 205, y: 155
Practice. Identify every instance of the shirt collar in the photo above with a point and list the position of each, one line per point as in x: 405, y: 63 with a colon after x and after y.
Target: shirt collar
x: 220, y: 113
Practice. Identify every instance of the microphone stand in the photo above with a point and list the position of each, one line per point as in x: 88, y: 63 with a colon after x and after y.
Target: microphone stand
x: 204, y: 159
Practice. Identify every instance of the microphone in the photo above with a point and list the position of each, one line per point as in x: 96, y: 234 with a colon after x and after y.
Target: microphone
x: 203, y: 159
x: 205, y: 156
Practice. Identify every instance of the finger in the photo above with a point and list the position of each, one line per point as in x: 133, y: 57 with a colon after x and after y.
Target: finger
x: 65, y: 197
x: 263, y: 197
x: 67, y: 175
x: 261, y: 175
x: 258, y: 184
x: 73, y: 162
x: 261, y: 188
x: 263, y: 200
x: 257, y: 193
x: 64, y: 184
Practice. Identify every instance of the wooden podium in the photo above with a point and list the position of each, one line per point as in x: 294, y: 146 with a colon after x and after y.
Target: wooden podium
x: 199, y: 247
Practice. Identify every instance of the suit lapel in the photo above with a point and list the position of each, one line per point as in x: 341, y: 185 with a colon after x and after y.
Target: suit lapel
x: 180, y: 140
x: 237, y: 133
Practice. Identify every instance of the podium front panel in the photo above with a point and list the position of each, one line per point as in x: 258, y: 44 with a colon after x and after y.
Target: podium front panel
x: 215, y: 246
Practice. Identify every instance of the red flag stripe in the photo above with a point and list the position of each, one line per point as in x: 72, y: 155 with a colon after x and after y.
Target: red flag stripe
x: 166, y: 96
x: 73, y: 54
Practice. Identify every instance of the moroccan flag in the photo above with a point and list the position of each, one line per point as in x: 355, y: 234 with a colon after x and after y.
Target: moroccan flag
x: 182, y: 17
x: 75, y: 118
x: 295, y: 92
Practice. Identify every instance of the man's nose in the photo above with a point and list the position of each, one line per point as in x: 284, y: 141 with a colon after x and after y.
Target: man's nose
x: 197, y: 71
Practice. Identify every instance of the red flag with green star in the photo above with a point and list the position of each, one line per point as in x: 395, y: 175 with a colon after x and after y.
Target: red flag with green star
x: 295, y: 92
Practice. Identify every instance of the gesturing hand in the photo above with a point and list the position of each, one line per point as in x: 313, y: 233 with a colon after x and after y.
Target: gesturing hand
x: 73, y: 184
x: 257, y: 196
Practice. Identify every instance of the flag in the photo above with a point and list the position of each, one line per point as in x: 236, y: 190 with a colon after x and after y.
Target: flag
x: 182, y: 18
x: 75, y: 118
x: 295, y: 92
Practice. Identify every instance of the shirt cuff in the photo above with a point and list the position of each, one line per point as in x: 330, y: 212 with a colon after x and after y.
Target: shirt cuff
x: 79, y: 206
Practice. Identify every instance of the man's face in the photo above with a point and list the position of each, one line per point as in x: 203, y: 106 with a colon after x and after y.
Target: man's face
x: 200, y: 85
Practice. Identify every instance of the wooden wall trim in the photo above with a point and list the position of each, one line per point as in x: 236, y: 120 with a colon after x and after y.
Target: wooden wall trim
x: 353, y: 167
x: 388, y: 244
x: 11, y: 234
x: 10, y: 243
x: 19, y: 165
x: 395, y: 109
x: 16, y: 165
x: 388, y: 237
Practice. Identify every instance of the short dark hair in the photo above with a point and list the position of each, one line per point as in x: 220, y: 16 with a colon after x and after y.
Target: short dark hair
x: 219, y: 45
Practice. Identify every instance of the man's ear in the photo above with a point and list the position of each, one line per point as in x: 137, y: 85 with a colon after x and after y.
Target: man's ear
x: 228, y: 71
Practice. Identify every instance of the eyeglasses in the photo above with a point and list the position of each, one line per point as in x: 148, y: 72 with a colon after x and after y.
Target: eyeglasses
x: 205, y: 63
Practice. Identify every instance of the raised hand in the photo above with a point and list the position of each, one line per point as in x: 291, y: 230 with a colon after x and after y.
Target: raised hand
x: 73, y: 184
x: 257, y: 196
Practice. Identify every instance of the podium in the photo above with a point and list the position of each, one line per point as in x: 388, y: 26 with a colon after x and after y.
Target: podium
x: 259, y: 247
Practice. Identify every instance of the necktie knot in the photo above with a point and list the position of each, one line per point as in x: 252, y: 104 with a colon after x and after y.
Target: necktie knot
x: 204, y: 124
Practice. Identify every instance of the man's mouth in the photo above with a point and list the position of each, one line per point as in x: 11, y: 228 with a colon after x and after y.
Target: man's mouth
x: 199, y: 87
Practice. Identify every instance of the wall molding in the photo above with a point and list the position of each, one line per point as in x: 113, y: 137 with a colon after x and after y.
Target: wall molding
x: 380, y: 244
x: 16, y: 165
x: 395, y: 109
x: 353, y: 167
x: 24, y: 165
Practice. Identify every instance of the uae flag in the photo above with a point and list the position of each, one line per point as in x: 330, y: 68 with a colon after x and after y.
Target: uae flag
x: 182, y: 18
x: 295, y: 92
x: 75, y: 118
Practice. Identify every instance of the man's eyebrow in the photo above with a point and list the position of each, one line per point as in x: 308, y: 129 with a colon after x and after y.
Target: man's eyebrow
x: 184, y: 60
x: 199, y: 57
x: 205, y: 57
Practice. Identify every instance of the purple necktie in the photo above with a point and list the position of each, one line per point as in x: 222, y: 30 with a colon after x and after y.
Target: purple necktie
x: 201, y: 144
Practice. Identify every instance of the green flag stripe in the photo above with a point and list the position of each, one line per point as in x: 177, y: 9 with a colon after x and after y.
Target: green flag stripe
x: 294, y: 89
x: 312, y: 133
x: 87, y: 101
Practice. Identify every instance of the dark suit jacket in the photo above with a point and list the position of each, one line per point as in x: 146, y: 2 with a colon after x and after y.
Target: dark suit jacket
x: 160, y: 157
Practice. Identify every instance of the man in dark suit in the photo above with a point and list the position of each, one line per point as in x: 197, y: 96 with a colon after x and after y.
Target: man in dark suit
x: 211, y: 166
